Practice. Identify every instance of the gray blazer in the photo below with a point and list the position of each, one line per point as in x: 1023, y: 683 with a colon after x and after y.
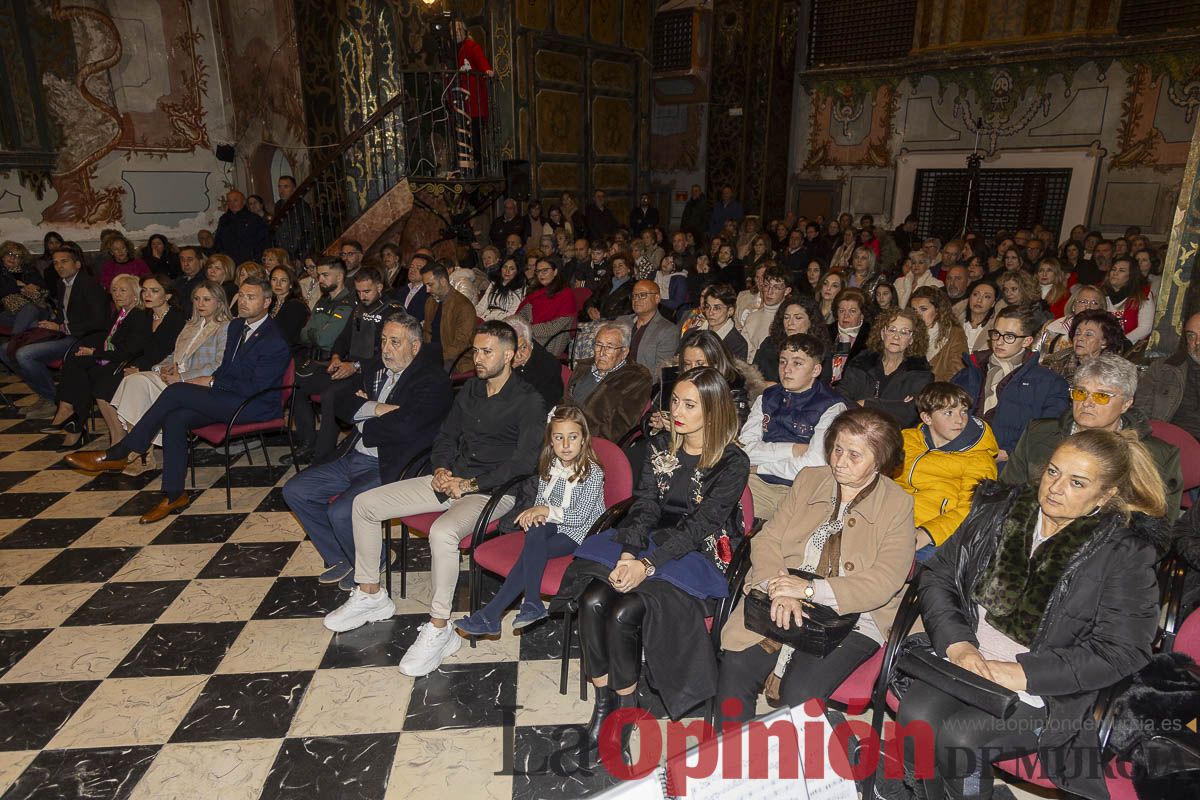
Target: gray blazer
x: 208, y: 355
x: 659, y: 341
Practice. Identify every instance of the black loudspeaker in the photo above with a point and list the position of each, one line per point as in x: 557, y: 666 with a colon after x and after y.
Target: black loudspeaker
x: 226, y: 153
x: 517, y: 183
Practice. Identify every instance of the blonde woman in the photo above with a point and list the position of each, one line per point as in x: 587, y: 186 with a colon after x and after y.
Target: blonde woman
x: 199, y: 349
x: 219, y: 269
x: 1052, y: 282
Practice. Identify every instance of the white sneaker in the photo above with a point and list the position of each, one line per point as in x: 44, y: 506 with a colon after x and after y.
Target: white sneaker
x: 360, y: 609
x: 432, y: 646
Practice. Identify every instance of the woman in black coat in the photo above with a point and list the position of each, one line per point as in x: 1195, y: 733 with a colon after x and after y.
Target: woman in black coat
x: 653, y: 579
x: 890, y: 373
x: 1057, y: 626
x: 288, y: 308
x: 142, y: 335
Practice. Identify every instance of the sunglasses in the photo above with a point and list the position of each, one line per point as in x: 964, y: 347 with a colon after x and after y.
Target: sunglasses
x: 1078, y: 395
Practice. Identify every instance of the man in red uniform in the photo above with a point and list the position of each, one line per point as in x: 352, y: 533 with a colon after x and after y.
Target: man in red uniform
x: 471, y: 59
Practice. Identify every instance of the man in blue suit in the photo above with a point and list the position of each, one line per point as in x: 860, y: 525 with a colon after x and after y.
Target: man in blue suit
x: 256, y: 356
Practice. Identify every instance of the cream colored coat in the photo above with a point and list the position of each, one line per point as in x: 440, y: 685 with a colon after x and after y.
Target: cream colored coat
x: 878, y: 543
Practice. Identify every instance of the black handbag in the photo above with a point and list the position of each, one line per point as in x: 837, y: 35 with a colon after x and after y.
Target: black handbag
x: 923, y: 664
x: 822, y: 631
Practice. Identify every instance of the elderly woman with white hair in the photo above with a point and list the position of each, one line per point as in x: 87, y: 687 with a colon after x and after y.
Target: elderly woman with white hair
x: 918, y: 275
x: 199, y: 350
x: 1101, y: 399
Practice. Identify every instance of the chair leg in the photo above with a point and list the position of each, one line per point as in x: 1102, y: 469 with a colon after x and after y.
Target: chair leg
x: 192, y: 460
x: 246, y: 449
x: 403, y: 561
x: 228, y: 479
x: 263, y: 444
x: 564, y: 667
x: 387, y: 555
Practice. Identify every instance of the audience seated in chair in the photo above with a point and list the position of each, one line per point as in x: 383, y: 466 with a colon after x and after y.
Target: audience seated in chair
x: 491, y: 436
x: 141, y: 336
x: 400, y: 400
x: 654, y: 337
x: 1009, y: 387
x: 534, y: 363
x: 1101, y: 399
x: 328, y: 319
x: 559, y: 505
x: 82, y: 319
x: 1169, y: 389
x: 849, y: 529
x: 411, y: 294
x: 644, y: 586
x: 449, y: 321
x: 945, y: 458
x: 889, y: 374
x: 199, y: 348
x: 1014, y: 619
x: 256, y: 357
x: 786, y: 428
x: 610, y: 390
x: 356, y: 344
x: 772, y: 291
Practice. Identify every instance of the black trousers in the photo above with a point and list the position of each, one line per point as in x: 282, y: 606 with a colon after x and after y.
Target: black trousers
x: 83, y: 381
x: 610, y: 633
x: 966, y: 741
x: 743, y: 673
x: 322, y: 440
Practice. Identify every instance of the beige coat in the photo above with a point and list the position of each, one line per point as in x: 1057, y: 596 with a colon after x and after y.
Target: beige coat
x: 878, y: 543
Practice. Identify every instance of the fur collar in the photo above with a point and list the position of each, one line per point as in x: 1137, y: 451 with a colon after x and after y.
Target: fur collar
x: 1016, y: 588
x: 869, y: 359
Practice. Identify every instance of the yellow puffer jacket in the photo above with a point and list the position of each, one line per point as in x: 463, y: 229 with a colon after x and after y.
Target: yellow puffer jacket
x: 942, y: 481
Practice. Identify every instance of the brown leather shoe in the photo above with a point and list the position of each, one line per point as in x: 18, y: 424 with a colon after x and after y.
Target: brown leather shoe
x: 95, y: 461
x: 165, y: 508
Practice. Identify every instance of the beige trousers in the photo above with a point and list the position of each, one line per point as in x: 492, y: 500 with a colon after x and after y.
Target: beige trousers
x: 416, y: 496
x: 767, y: 496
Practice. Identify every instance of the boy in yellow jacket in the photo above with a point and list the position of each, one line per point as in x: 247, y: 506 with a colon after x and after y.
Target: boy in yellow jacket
x: 945, y: 457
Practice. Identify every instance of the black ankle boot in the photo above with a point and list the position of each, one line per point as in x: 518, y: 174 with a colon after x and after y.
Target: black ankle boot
x: 606, y: 703
x: 627, y: 701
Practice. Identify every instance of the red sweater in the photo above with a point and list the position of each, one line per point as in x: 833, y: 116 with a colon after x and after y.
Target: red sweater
x: 471, y: 53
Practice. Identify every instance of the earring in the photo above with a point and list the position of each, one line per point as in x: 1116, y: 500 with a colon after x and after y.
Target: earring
x: 1095, y: 511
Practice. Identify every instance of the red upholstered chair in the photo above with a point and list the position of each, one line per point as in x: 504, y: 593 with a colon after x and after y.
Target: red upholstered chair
x: 566, y: 375
x: 222, y: 433
x: 1189, y: 455
x: 498, y: 555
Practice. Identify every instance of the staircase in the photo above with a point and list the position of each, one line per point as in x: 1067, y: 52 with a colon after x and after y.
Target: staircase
x: 423, y: 134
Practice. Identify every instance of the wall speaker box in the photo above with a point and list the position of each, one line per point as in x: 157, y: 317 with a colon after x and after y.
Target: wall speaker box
x: 226, y: 153
x: 517, y: 181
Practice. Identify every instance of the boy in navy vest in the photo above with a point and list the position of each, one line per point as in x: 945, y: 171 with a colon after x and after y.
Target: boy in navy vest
x: 785, y: 430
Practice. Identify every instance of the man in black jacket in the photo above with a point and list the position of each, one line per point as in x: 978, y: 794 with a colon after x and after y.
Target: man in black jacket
x: 294, y: 231
x: 241, y: 234
x: 601, y: 223
x: 493, y: 435
x: 357, y: 344
x: 642, y: 217
x: 401, y: 400
x: 503, y: 226
x: 534, y: 363
x: 191, y: 264
x: 81, y: 318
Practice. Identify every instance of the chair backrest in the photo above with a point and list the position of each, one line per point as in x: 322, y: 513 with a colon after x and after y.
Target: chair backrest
x: 1187, y: 640
x: 1189, y: 450
x: 289, y: 381
x: 747, y: 511
x: 618, y: 476
x: 566, y: 375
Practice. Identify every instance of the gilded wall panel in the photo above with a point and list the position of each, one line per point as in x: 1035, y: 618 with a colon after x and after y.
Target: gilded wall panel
x: 533, y: 14
x: 612, y: 127
x: 570, y: 17
x: 552, y: 65
x: 559, y: 122
x: 637, y: 24
x: 612, y: 176
x: 559, y: 177
x: 614, y: 75
x: 606, y: 21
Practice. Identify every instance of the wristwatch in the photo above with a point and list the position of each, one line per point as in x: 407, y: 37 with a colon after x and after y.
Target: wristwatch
x: 357, y: 366
x: 650, y: 568
x: 809, y: 591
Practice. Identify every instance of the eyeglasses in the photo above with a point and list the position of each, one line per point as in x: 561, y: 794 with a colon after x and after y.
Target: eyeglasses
x: 1079, y: 394
x: 12, y: 253
x: 901, y: 332
x: 545, y: 270
x: 608, y: 348
x: 1008, y: 338
x: 643, y: 295
x: 1087, y: 303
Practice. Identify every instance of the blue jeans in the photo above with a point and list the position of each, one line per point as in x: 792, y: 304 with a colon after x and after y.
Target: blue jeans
x: 23, y: 319
x: 542, y: 543
x: 31, y: 360
x: 925, y: 553
x: 328, y: 523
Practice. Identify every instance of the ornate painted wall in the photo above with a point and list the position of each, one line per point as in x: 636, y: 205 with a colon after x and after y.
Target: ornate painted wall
x: 139, y: 97
x: 1134, y: 114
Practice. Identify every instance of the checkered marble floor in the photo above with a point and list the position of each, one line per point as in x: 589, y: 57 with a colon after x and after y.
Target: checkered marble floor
x: 187, y: 659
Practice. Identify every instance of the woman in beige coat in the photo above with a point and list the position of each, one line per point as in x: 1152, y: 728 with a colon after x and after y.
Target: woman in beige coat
x: 852, y: 526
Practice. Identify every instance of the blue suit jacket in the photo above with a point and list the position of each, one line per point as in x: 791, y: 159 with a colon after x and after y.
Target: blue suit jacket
x: 258, y: 365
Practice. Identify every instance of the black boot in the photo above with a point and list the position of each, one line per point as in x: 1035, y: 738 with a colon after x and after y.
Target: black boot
x: 606, y: 703
x: 627, y: 701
